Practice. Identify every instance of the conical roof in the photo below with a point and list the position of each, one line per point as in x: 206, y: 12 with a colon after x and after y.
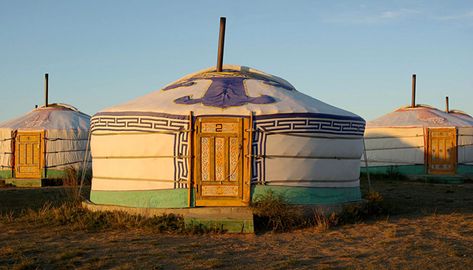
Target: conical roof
x: 237, y: 90
x: 419, y: 116
x: 55, y: 116
x: 462, y: 115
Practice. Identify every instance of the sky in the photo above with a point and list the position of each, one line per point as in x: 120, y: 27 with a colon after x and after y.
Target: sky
x: 356, y: 55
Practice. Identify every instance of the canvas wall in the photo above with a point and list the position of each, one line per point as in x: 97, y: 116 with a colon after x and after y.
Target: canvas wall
x: 66, y: 148
x: 394, y: 146
x: 312, y: 161
x: 6, y: 154
x: 465, y: 145
x: 133, y: 161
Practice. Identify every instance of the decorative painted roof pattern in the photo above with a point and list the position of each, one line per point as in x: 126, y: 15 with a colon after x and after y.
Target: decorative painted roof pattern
x: 238, y: 90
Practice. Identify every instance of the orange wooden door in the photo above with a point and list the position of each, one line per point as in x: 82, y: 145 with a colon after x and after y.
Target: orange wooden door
x: 29, y: 154
x: 442, y: 151
x: 221, y: 150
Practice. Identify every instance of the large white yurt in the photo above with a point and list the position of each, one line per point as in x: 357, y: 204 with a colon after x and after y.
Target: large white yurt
x: 220, y: 138
x: 43, y: 143
x: 419, y: 140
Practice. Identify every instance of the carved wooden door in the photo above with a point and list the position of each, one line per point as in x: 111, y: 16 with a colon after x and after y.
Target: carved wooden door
x: 29, y: 154
x: 221, y: 164
x: 442, y: 151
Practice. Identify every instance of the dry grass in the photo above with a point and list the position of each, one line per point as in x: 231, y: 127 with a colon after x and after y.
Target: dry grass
x: 430, y: 227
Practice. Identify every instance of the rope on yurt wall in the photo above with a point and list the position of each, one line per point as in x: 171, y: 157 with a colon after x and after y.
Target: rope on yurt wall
x: 63, y: 164
x: 86, y: 160
x: 366, y: 166
x: 63, y: 139
x: 66, y: 151
x: 466, y: 144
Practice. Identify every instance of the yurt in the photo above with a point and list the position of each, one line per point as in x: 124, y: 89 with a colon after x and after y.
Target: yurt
x: 220, y: 137
x: 42, y: 144
x: 464, y: 142
x: 419, y: 140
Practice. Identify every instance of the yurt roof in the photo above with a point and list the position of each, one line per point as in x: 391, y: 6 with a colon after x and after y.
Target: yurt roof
x: 462, y: 115
x: 419, y: 116
x: 237, y: 90
x: 54, y: 116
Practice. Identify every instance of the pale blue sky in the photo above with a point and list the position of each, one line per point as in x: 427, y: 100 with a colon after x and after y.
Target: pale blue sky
x: 357, y: 55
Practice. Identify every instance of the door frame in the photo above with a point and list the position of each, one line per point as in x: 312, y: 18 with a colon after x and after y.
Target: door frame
x: 42, y: 154
x: 428, y: 155
x: 245, y: 185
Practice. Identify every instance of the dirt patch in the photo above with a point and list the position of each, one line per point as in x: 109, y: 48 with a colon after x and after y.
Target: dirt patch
x: 431, y: 227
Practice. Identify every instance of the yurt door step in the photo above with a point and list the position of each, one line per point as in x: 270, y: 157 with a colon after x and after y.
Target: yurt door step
x: 442, y: 151
x: 221, y: 148
x: 29, y: 150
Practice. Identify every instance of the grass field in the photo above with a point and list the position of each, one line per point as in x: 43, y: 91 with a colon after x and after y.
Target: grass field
x: 429, y: 226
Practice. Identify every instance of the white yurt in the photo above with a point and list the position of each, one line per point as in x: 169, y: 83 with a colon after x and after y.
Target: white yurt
x: 464, y: 144
x: 43, y: 143
x: 419, y: 140
x: 220, y: 138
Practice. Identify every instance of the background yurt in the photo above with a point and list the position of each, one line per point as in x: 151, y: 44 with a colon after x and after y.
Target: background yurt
x: 41, y: 144
x: 219, y: 137
x: 419, y: 140
x: 464, y: 141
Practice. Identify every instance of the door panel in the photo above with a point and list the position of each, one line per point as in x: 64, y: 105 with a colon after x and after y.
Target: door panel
x: 442, y: 151
x: 221, y: 147
x: 29, y: 154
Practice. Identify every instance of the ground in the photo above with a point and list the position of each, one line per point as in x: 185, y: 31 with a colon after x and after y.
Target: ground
x: 430, y: 227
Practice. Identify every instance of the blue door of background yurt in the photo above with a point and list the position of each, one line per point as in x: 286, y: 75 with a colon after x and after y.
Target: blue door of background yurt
x: 222, y: 176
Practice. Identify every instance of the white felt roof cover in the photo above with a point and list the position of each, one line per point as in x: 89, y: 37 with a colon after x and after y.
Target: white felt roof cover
x: 55, y: 116
x: 238, y: 90
x: 420, y: 116
x: 462, y: 115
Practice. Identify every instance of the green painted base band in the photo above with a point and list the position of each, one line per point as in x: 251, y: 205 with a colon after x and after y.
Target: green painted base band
x: 54, y: 174
x: 50, y: 174
x: 310, y: 196
x: 4, y: 174
x: 465, y: 170
x: 177, y: 198
x: 166, y: 198
x: 403, y: 169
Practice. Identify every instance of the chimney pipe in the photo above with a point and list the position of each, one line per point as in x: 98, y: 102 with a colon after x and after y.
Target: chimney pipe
x: 221, y: 43
x: 447, y: 107
x: 46, y: 86
x: 413, y: 104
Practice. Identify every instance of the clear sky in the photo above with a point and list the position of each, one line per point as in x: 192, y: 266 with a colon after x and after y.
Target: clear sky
x: 357, y: 55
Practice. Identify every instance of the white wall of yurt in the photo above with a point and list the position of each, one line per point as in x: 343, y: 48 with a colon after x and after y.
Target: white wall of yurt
x: 465, y: 144
x: 6, y: 154
x: 395, y: 150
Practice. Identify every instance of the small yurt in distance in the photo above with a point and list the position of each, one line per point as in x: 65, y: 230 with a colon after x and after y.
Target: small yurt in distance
x: 42, y: 144
x: 419, y: 140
